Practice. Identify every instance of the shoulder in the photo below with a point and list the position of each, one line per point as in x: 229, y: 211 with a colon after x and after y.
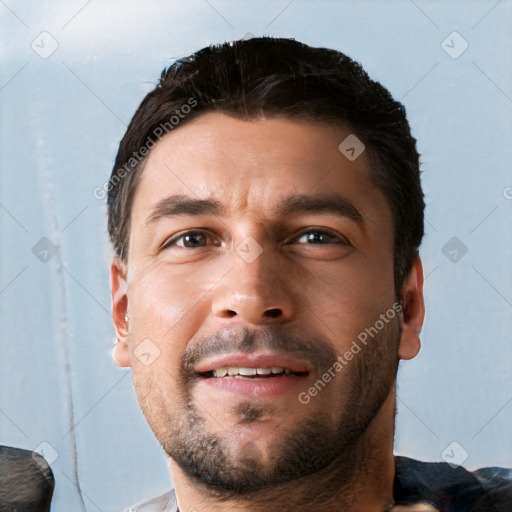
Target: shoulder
x: 453, y: 488
x: 164, y: 503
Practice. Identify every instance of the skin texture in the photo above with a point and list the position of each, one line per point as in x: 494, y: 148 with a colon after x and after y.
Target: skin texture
x: 256, y: 281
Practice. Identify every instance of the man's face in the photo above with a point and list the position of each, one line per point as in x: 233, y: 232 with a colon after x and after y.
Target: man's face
x: 266, y: 283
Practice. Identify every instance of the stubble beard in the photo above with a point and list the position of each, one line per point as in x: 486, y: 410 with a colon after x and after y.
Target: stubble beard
x: 330, y: 439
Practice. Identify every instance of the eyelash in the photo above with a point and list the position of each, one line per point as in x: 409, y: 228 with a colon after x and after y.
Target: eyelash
x: 173, y: 239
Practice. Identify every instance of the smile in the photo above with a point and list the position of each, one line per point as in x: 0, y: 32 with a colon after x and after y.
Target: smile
x: 265, y: 374
x: 251, y: 372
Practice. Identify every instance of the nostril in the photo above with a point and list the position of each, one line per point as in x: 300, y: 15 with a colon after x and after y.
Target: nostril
x: 273, y: 313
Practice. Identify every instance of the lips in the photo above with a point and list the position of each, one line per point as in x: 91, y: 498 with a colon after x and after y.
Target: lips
x: 255, y: 365
x: 263, y: 375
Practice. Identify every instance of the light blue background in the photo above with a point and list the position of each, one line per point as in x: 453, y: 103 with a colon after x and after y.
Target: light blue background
x: 60, y: 123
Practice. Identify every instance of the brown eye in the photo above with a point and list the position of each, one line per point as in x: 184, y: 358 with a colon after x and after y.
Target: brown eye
x: 320, y: 237
x: 188, y: 240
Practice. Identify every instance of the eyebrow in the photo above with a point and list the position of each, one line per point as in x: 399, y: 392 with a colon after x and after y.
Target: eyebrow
x: 182, y: 205
x: 333, y: 204
x: 177, y: 205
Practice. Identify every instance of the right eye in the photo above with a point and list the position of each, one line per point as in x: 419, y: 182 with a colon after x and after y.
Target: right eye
x: 192, y: 239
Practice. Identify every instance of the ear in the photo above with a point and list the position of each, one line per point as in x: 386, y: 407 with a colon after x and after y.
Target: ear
x: 118, y: 286
x: 413, y: 312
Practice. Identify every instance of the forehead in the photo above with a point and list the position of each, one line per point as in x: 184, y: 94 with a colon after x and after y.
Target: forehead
x: 249, y: 165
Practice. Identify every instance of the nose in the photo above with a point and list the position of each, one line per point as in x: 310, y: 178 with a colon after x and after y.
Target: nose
x: 254, y: 292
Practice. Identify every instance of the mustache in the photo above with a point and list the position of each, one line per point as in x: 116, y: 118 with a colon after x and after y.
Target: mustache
x: 314, y: 350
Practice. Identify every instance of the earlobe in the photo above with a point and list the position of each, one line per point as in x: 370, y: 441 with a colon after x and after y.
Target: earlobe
x: 121, y: 354
x: 413, y: 312
x: 118, y: 285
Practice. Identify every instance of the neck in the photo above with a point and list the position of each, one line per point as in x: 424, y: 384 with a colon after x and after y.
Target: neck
x: 363, y: 480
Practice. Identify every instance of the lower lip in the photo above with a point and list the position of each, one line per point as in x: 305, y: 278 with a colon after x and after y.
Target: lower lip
x: 271, y: 387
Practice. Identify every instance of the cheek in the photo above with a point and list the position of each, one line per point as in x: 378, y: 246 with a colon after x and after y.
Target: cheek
x: 352, y: 297
x: 171, y: 294
x: 157, y: 393
x: 166, y: 309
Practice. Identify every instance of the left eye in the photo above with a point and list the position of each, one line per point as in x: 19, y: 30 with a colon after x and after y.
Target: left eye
x: 320, y: 237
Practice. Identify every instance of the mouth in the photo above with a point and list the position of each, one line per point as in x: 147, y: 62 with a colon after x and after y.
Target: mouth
x: 257, y: 375
x: 251, y: 373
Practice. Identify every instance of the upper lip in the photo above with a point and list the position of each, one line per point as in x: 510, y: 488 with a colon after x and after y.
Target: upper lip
x: 252, y: 360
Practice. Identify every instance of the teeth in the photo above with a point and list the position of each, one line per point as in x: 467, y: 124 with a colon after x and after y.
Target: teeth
x: 247, y: 371
x: 220, y: 372
x: 234, y: 371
